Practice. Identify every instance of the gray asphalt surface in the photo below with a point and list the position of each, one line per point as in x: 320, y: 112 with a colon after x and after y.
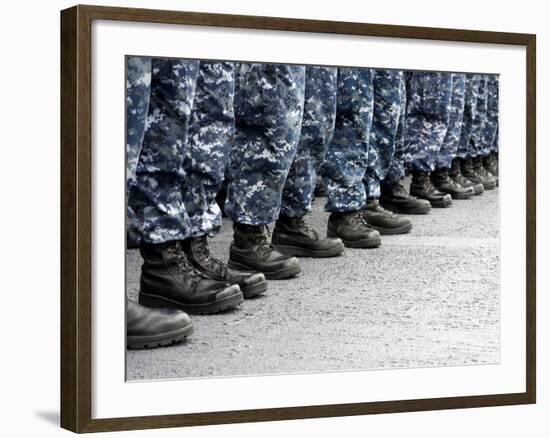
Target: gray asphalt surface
x: 427, y: 298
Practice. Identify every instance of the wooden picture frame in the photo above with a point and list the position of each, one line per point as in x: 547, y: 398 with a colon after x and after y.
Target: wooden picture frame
x: 76, y: 217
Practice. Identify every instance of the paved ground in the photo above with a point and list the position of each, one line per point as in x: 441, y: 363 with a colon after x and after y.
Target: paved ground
x: 428, y: 298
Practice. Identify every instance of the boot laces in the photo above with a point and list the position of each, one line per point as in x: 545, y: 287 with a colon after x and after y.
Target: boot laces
x: 259, y: 235
x: 399, y: 189
x: 184, y: 265
x: 202, y: 250
x: 305, y: 228
x: 382, y: 210
x: 358, y: 221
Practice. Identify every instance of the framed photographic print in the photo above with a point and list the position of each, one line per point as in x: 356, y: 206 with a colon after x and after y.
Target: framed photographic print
x: 270, y: 218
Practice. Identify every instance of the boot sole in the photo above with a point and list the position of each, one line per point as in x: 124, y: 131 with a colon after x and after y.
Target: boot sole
x: 254, y: 289
x: 479, y: 190
x: 462, y: 195
x: 441, y: 204
x: 226, y: 303
x: 403, y: 229
x: 361, y: 243
x: 490, y: 186
x: 403, y: 210
x: 161, y: 340
x: 303, y: 252
x: 281, y: 274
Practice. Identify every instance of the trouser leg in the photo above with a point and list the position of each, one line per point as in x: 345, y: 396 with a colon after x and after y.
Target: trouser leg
x: 428, y: 112
x: 450, y: 143
x: 490, y: 125
x: 209, y: 142
x: 155, y: 197
x: 401, y: 157
x: 476, y: 138
x: 387, y: 127
x: 138, y: 89
x: 269, y: 102
x: 316, y: 133
x: 346, y: 159
x: 469, y: 116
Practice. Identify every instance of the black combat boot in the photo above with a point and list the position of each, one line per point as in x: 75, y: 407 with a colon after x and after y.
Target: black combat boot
x: 445, y: 184
x: 151, y: 328
x: 490, y: 162
x: 198, y: 253
x: 384, y: 221
x: 353, y: 229
x: 168, y: 279
x: 320, y: 189
x: 456, y: 175
x: 250, y: 250
x: 422, y: 187
x: 396, y: 198
x: 292, y: 236
x: 470, y: 172
x: 491, y: 181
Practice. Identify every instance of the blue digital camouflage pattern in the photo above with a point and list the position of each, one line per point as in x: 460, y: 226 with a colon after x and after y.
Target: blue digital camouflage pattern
x: 495, y: 145
x: 346, y: 159
x: 401, y: 157
x: 427, y: 116
x: 449, y: 147
x: 185, y: 98
x: 478, y: 127
x: 387, y: 127
x: 269, y: 102
x: 316, y: 133
x: 490, y: 124
x: 209, y: 143
x: 470, y: 109
x: 138, y: 88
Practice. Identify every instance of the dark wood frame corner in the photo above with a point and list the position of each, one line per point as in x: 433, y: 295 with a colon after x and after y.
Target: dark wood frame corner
x: 76, y: 225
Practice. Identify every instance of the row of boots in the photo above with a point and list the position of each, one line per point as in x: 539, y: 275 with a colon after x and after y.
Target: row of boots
x: 465, y: 178
x: 184, y: 275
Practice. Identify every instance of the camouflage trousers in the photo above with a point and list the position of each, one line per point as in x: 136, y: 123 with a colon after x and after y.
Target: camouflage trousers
x: 269, y: 103
x: 180, y: 161
x: 478, y: 128
x: 347, y: 156
x: 315, y: 135
x: 470, y: 110
x: 427, y: 117
x: 386, y: 136
x: 449, y: 147
x: 489, y: 136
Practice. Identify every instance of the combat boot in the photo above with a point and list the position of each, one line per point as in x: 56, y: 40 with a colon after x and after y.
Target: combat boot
x: 490, y: 181
x: 198, y: 253
x: 353, y: 229
x: 250, y: 250
x: 445, y: 184
x: 396, y: 198
x: 293, y: 237
x: 423, y: 188
x: 151, y: 328
x: 384, y: 221
x: 320, y: 189
x: 456, y: 175
x: 168, y: 279
x: 470, y: 173
x: 490, y: 162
